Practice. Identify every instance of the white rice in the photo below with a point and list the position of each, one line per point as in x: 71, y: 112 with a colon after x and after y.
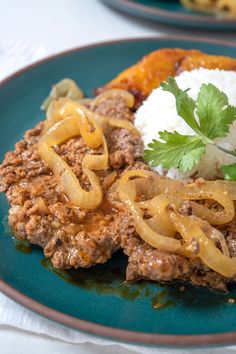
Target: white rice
x: 158, y: 113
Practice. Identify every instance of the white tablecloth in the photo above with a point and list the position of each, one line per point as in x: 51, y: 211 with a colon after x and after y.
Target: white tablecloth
x: 30, y: 30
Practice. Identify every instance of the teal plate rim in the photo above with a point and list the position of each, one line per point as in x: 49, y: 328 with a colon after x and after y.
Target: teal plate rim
x: 157, y: 13
x: 141, y: 338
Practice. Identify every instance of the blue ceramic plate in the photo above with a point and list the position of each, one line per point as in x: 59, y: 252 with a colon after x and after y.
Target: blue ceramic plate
x: 171, y: 12
x: 97, y: 300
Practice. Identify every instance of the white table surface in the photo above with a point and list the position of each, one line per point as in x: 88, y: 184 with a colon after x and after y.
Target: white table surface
x: 32, y: 29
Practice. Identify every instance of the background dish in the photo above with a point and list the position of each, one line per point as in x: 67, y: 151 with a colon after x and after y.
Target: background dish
x: 191, y: 317
x: 171, y: 13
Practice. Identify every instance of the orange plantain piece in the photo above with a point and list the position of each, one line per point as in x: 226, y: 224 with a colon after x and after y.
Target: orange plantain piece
x: 141, y: 78
x: 207, y: 61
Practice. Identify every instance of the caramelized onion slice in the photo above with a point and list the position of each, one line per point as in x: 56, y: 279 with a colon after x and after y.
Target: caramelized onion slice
x: 160, y: 221
x: 65, y: 108
x: 105, y: 121
x: 216, y: 236
x: 97, y: 162
x: 64, y: 88
x: 62, y: 131
x: 76, y: 194
x: 228, y: 187
x: 133, y: 174
x: 57, y: 111
x: 128, y: 193
x: 159, y: 230
x: 101, y: 120
x: 212, y: 216
x: 158, y: 207
x: 190, y: 228
x: 207, y: 190
x: 59, y: 133
x: 92, y: 135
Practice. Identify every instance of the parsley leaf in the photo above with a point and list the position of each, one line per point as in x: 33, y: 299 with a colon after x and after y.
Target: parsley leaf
x: 214, y: 112
x: 229, y: 172
x: 185, y: 105
x: 176, y: 150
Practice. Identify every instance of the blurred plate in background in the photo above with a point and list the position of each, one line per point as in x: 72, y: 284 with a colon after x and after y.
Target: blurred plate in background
x: 171, y: 12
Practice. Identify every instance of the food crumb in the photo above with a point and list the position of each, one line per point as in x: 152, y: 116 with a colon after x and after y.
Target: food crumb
x: 200, y: 181
x: 182, y: 288
x: 231, y: 301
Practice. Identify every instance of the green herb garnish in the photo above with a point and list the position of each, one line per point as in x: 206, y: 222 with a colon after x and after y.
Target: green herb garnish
x: 229, y: 172
x: 210, y: 116
x: 176, y: 150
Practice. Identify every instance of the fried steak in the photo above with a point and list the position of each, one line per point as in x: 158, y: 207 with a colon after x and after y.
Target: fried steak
x: 41, y: 213
x: 71, y: 237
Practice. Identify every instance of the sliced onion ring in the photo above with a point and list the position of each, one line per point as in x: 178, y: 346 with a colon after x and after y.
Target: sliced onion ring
x: 127, y: 195
x: 63, y: 108
x: 59, y: 133
x: 208, y: 252
x: 64, y: 88
x: 207, y: 190
x: 162, y: 198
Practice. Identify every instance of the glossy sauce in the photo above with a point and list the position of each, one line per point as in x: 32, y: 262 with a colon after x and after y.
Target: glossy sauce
x: 106, y: 278
x: 23, y: 246
x: 110, y: 280
x: 160, y: 300
x: 107, y: 208
x: 100, y: 217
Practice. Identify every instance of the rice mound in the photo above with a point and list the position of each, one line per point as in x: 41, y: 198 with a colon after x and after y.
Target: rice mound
x: 158, y: 113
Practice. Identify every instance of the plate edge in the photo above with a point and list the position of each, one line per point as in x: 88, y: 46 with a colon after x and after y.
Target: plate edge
x: 171, y: 14
x: 97, y: 329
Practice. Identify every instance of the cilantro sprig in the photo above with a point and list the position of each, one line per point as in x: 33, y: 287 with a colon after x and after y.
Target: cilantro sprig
x: 210, y: 117
x: 229, y: 171
x: 176, y: 150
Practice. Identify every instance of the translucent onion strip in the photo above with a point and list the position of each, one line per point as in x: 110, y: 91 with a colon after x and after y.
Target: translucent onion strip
x: 160, y: 220
x: 216, y: 236
x: 64, y: 88
x: 199, y: 238
x: 59, y: 133
x: 206, y: 190
x: 58, y: 110
x: 208, y: 252
x: 133, y: 174
x: 143, y: 229
x: 92, y: 135
x: 97, y: 162
x: 62, y: 108
x: 105, y: 121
